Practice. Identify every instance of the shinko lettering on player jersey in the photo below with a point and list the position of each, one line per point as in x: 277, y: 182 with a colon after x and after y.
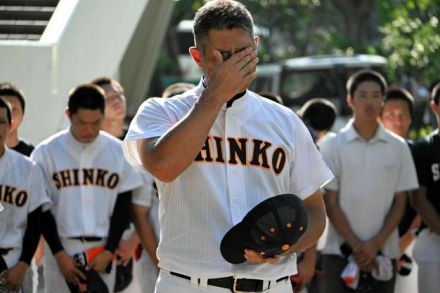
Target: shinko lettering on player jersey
x: 85, y: 176
x: 212, y: 151
x: 10, y: 195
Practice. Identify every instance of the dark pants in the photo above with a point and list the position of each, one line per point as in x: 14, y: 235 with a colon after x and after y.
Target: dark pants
x: 331, y: 281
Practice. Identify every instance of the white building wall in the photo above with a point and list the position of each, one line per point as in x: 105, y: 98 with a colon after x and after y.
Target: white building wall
x: 84, y: 39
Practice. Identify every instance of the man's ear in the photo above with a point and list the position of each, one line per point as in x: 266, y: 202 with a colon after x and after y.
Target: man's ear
x: 435, y: 108
x: 349, y: 100
x: 256, y: 41
x: 196, y: 55
x: 67, y: 113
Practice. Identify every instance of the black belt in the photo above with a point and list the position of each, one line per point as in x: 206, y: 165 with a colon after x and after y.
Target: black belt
x: 4, y: 251
x: 235, y: 285
x: 87, y: 238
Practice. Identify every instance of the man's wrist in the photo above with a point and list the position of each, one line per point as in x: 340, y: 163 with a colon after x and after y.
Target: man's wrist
x: 108, y: 253
x: 22, y: 265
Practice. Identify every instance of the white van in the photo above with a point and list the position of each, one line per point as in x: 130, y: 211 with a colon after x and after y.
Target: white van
x: 297, y: 80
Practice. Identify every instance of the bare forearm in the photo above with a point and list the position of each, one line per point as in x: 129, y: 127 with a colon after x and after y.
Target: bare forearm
x: 310, y: 254
x: 145, y: 231
x: 316, y: 222
x: 338, y: 218
x: 425, y: 209
x: 169, y: 155
x: 393, y: 218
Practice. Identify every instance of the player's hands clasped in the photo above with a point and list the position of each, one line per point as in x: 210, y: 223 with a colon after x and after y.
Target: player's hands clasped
x: 232, y: 76
x: 364, y: 253
x: 68, y: 269
x: 101, y: 261
x: 126, y: 250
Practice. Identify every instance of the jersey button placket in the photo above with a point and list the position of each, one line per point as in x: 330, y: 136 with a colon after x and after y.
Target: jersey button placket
x: 85, y: 198
x: 235, y: 178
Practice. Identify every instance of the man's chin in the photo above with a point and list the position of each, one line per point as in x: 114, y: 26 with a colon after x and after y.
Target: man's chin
x: 86, y: 139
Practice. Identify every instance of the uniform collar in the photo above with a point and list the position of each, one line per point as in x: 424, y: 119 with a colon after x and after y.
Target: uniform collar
x: 235, y: 103
x: 5, y: 154
x: 351, y: 133
x: 71, y: 140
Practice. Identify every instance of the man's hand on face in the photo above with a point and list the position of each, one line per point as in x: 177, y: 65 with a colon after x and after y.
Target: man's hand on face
x: 233, y: 75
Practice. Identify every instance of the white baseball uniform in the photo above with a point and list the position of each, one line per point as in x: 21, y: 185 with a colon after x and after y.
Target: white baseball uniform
x: 255, y: 149
x: 22, y: 191
x: 84, y: 181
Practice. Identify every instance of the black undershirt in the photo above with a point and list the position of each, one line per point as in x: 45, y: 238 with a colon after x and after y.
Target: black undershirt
x: 31, y: 235
x: 234, y: 98
x: 118, y: 223
x: 24, y: 148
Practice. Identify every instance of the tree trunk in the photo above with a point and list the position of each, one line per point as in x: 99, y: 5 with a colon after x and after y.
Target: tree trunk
x: 356, y: 15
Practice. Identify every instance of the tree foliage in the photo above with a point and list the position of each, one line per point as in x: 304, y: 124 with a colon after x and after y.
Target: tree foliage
x: 411, y: 39
x: 404, y: 31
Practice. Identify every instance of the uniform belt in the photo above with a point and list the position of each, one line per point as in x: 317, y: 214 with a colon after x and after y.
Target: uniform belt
x: 87, y: 238
x: 235, y: 285
x: 4, y: 251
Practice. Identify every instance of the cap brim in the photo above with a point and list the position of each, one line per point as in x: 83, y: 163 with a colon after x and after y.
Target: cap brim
x: 232, y: 245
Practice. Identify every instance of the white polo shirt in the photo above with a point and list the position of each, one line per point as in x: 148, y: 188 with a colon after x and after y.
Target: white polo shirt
x: 367, y: 176
x: 255, y: 149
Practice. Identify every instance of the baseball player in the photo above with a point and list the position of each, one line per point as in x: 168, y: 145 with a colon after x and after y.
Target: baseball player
x: 15, y: 97
x: 22, y: 198
x: 217, y: 151
x: 127, y: 277
x: 90, y: 184
x: 427, y: 203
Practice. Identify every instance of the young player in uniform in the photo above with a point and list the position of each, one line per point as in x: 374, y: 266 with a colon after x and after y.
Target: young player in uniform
x: 22, y: 197
x: 131, y: 276
x: 427, y: 203
x: 90, y: 184
x: 373, y: 171
x: 15, y: 98
x: 217, y: 151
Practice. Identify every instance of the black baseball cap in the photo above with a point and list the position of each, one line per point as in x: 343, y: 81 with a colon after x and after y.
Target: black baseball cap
x: 270, y: 228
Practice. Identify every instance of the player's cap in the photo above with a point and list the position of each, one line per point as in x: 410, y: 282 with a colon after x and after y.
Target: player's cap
x: 270, y: 228
x: 93, y: 283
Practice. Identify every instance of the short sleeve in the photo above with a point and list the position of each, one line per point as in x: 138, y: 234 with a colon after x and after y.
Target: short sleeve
x: 151, y: 120
x: 39, y: 158
x: 38, y: 190
x: 407, y: 179
x: 309, y: 171
x: 329, y: 151
x: 143, y: 195
x: 130, y: 178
